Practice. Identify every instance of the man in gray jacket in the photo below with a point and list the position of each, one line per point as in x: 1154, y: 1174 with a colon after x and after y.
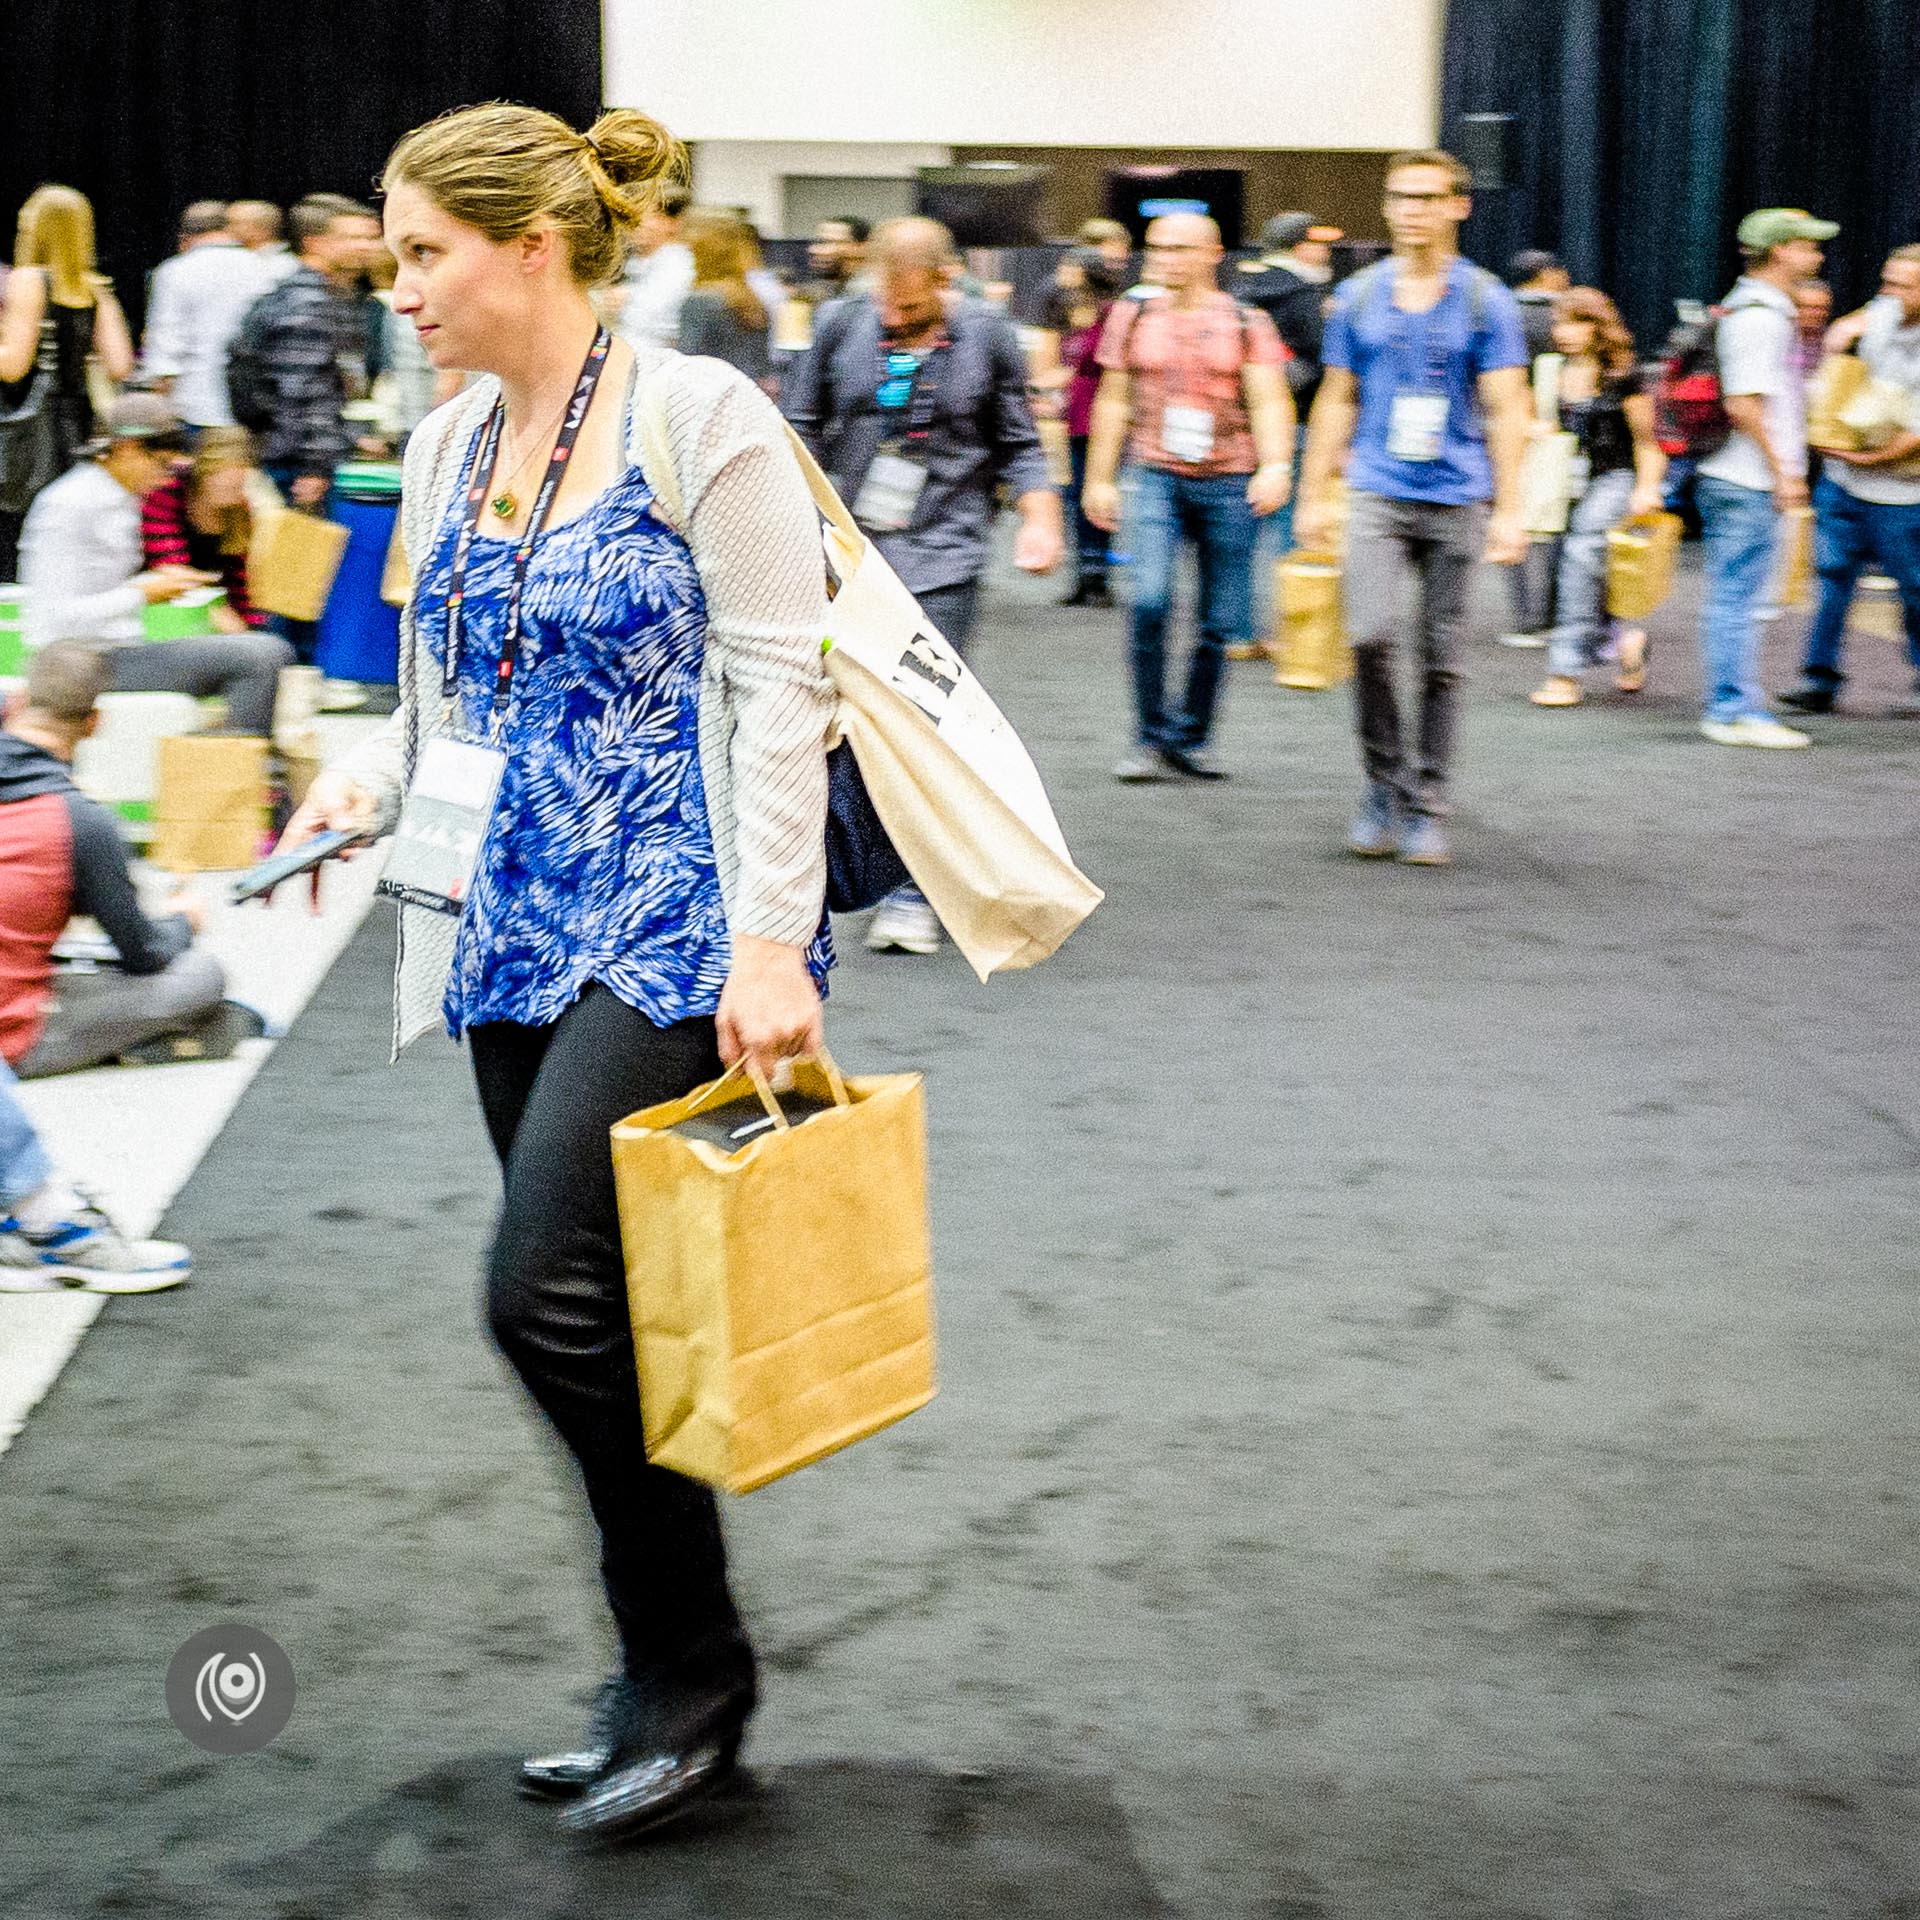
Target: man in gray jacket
x: 914, y: 399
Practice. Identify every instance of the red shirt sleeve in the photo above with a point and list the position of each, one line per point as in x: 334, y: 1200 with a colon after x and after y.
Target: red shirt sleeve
x: 163, y: 526
x: 1116, y: 334
x: 1265, y: 348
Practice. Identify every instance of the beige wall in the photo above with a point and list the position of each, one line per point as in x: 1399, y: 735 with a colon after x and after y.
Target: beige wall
x: 1282, y: 74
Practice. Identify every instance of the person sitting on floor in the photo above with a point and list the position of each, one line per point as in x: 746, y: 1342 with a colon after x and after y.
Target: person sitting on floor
x: 61, y: 854
x: 201, y: 519
x: 52, y: 1236
x: 85, y: 579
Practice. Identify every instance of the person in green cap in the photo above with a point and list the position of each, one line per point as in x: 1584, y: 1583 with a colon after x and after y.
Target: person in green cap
x: 1761, y: 471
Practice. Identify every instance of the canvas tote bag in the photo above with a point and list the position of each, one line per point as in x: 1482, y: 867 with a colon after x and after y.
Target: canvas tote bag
x: 957, y: 792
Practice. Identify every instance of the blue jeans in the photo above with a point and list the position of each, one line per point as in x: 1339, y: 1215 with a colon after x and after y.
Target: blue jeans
x: 1851, y: 533
x: 1163, y: 509
x: 1741, y: 527
x: 24, y: 1166
x: 1091, y: 552
x: 1580, y: 592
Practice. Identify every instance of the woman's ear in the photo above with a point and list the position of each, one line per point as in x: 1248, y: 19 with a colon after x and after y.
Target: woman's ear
x: 537, y: 246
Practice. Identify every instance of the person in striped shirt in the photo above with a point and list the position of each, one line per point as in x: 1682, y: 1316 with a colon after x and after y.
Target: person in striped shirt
x: 200, y: 519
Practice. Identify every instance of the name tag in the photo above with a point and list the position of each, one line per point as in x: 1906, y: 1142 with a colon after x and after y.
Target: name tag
x: 890, y: 494
x: 1186, y: 433
x: 1417, y: 426
x: 443, y: 825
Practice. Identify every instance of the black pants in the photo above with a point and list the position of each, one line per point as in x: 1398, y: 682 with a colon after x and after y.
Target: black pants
x: 557, y: 1305
x: 952, y: 610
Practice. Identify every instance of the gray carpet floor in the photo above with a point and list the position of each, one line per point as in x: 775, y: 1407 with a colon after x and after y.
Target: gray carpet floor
x: 1428, y: 1419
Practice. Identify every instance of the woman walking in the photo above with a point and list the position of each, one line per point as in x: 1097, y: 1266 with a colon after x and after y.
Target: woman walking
x: 1086, y: 284
x: 647, y: 704
x: 723, y: 315
x: 1618, y: 471
x: 59, y: 313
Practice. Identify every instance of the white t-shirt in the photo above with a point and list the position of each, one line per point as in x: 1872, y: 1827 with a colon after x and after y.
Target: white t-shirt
x: 1891, y: 353
x: 1756, y: 349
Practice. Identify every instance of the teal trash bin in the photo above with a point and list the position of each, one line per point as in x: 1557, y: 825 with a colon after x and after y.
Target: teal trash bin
x: 359, y: 634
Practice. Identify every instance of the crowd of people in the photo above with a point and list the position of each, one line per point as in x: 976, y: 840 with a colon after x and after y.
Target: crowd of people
x: 610, y: 674
x: 1193, y: 403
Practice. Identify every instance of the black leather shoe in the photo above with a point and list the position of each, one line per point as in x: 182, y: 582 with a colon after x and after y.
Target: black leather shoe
x: 1195, y: 762
x: 1811, y: 698
x: 645, y: 1793
x: 565, y: 1776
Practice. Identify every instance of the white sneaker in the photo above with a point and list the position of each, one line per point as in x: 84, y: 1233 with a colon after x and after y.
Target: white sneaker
x: 905, y: 924
x: 341, y: 696
x: 1754, y: 730
x: 88, y: 1252
x: 1523, y: 640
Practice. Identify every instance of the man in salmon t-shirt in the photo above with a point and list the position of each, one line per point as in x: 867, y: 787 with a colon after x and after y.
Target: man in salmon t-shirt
x: 1197, y: 379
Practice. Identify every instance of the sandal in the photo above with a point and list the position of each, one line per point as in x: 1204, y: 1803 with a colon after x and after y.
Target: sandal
x: 1558, y: 691
x: 1634, y: 649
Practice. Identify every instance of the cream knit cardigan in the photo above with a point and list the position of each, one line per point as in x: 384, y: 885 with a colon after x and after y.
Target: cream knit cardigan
x: 765, y: 702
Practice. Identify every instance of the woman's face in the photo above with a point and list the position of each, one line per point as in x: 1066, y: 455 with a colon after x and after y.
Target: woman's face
x: 224, y: 488
x: 1574, y: 338
x: 466, y: 295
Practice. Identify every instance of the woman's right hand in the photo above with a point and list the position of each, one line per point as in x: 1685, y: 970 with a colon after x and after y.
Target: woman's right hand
x: 335, y: 803
x: 169, y: 583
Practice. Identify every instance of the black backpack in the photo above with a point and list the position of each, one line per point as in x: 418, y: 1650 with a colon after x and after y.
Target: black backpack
x: 249, y: 390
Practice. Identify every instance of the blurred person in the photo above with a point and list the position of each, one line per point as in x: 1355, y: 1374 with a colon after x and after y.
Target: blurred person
x: 200, y: 520
x: 1192, y: 390
x: 52, y: 1236
x: 1289, y: 282
x: 1538, y: 278
x: 1110, y: 240
x: 194, y: 308
x: 61, y: 854
x: 1745, y: 488
x: 835, y: 257
x: 1619, y: 475
x: 1869, y: 502
x: 1067, y: 374
x: 914, y: 400
x: 1426, y: 383
x: 87, y: 579
x: 55, y: 281
x: 772, y: 289
x: 1813, y: 315
x: 259, y: 226
x: 659, y: 272
x: 678, y: 699
x: 301, y: 353
x: 722, y: 315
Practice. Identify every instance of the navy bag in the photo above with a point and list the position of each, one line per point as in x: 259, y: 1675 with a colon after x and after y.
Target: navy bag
x: 862, y: 865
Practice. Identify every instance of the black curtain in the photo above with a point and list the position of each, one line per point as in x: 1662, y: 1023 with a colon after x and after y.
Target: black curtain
x: 147, y: 104
x: 1646, y: 128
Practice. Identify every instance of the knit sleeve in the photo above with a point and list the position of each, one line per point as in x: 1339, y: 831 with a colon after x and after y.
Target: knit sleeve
x: 755, y: 537
x: 163, y: 526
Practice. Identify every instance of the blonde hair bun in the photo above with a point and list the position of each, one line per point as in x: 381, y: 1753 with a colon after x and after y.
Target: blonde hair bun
x: 501, y: 167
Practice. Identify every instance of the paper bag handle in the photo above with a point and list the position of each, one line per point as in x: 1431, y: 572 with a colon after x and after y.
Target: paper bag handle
x: 775, y: 1112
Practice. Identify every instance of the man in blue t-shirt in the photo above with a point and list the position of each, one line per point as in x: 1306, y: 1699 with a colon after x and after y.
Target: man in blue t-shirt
x: 1426, y: 380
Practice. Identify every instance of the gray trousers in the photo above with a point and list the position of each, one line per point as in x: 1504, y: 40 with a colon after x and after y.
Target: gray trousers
x: 1582, y: 628
x: 99, y: 1015
x: 1400, y: 552
x: 245, y: 667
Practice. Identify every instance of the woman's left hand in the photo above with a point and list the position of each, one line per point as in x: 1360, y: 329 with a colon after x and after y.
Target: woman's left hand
x: 769, y: 1008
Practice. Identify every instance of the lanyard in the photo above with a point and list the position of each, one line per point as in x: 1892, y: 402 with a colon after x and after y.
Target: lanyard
x: 921, y: 400
x: 478, y: 481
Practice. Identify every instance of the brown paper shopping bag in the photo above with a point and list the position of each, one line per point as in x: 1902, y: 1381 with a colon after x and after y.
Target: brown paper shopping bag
x: 1793, y: 579
x: 292, y: 562
x: 1310, y: 648
x: 210, y: 805
x: 1641, y: 556
x: 779, y: 1271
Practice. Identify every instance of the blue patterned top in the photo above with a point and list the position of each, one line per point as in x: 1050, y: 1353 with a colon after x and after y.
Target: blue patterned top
x: 599, y: 862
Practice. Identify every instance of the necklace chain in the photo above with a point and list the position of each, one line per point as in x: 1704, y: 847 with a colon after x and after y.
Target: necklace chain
x: 504, y: 502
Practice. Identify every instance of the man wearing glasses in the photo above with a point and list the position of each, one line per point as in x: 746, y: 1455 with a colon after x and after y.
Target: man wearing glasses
x: 1426, y: 381
x: 1196, y: 377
